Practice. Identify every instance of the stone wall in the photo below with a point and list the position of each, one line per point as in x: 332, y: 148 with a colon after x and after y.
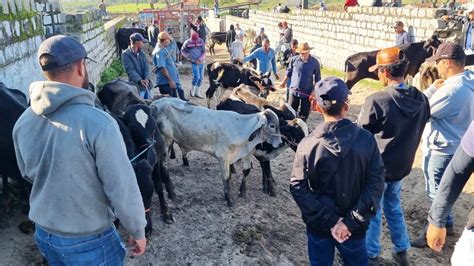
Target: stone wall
x: 22, y: 29
x: 336, y: 35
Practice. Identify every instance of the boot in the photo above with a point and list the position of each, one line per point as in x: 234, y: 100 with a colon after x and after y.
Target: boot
x: 197, y: 92
x: 181, y: 95
x: 401, y: 258
x: 191, y: 91
x: 420, y: 241
x: 450, y: 230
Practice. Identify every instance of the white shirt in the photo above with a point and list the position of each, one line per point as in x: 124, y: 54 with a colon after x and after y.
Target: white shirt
x: 237, y: 50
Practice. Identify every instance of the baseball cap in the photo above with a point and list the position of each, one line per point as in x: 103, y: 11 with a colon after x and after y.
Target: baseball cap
x: 386, y: 57
x: 137, y: 37
x: 64, y: 49
x: 331, y: 90
x: 448, y: 51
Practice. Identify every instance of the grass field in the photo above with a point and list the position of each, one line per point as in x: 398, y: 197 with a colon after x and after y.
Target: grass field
x: 373, y: 84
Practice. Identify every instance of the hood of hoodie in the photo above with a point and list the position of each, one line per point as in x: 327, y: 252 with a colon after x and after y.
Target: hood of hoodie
x: 409, y: 99
x: 47, y: 96
x: 338, y: 137
x: 465, y: 78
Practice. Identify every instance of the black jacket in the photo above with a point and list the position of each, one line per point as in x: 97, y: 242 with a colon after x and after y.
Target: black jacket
x: 229, y: 38
x: 397, y: 118
x: 337, y: 172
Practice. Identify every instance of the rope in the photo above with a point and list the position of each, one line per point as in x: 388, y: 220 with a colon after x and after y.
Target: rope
x: 142, y: 152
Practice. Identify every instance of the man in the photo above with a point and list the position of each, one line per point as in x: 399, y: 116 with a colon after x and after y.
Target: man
x: 167, y: 76
x: 257, y: 43
x: 277, y: 8
x: 401, y: 36
x: 285, y: 9
x: 195, y: 50
x: 452, y: 109
x: 239, y: 30
x: 467, y: 37
x: 153, y: 32
x: 262, y: 35
x: 237, y: 50
x: 337, y: 180
x: 287, y: 55
x: 103, y: 8
x: 135, y: 25
x: 396, y: 116
x: 287, y: 33
x: 265, y: 58
x: 454, y: 179
x: 230, y: 37
x: 303, y: 72
x: 200, y: 28
x: 136, y: 65
x: 216, y: 8
x: 82, y: 178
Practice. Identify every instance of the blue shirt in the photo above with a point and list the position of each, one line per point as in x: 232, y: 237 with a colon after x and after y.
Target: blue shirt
x: 164, y: 58
x: 264, y: 60
x: 468, y: 45
x: 303, y: 75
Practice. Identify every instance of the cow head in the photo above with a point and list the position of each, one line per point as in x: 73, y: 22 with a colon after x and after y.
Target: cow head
x: 262, y: 82
x: 116, y: 95
x: 293, y: 131
x: 269, y: 130
x: 432, y: 44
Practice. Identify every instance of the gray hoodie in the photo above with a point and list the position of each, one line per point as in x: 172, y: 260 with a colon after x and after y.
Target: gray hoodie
x: 452, y: 110
x: 75, y: 157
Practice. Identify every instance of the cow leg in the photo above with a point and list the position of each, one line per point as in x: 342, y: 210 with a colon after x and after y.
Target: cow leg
x: 232, y: 169
x: 165, y: 177
x: 225, y: 174
x: 171, y: 151
x: 267, y: 179
x: 246, y: 172
x: 158, y: 183
x: 184, y: 153
x: 144, y: 171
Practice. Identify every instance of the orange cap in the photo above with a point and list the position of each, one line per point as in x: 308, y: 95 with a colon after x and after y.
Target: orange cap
x: 386, y: 57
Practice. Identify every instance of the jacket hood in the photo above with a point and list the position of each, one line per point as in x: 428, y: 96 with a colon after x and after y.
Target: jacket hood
x: 465, y: 78
x: 409, y: 100
x: 337, y: 137
x: 47, y: 96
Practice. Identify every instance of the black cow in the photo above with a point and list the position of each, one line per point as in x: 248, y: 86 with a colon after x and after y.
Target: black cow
x: 119, y: 96
x: 216, y: 37
x: 229, y: 76
x: 122, y: 37
x: 292, y: 129
x: 357, y: 65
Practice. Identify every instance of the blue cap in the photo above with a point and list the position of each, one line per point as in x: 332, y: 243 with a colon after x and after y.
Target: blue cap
x: 64, y: 49
x: 137, y: 37
x: 331, y: 90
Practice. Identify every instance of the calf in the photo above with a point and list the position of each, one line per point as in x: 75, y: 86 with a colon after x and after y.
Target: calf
x: 216, y: 38
x: 357, y: 65
x: 292, y: 129
x: 227, y: 136
x: 228, y: 75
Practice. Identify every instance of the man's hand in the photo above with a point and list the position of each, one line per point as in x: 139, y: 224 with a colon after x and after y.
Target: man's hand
x: 276, y: 76
x: 436, y: 237
x: 172, y: 85
x: 340, y: 232
x: 445, y: 18
x: 145, y: 82
x: 138, y: 246
x: 438, y: 83
x: 283, y: 85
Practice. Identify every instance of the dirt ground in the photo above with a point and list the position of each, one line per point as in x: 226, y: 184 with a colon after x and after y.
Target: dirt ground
x: 259, y: 230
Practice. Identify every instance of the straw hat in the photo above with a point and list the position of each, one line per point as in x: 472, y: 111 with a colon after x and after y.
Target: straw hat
x: 303, y: 48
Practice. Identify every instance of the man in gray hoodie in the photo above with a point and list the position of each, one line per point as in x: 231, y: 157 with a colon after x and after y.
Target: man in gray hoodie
x: 74, y: 156
x: 452, y: 110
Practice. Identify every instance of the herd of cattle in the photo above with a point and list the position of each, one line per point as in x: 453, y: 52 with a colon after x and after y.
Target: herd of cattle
x: 243, y: 125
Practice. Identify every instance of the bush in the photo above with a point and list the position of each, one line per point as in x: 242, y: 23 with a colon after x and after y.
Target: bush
x: 115, y: 70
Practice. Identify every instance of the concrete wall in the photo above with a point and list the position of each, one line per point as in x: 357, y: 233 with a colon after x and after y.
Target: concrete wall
x: 336, y: 35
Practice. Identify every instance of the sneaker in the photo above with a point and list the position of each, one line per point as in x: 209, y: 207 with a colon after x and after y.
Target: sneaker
x: 401, y: 258
x: 374, y: 261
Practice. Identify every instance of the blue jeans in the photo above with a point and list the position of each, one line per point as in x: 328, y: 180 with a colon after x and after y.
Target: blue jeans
x: 392, y: 209
x: 198, y: 74
x: 321, y: 251
x: 102, y: 249
x: 434, y: 166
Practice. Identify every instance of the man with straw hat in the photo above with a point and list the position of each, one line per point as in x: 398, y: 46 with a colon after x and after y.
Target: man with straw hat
x: 303, y: 71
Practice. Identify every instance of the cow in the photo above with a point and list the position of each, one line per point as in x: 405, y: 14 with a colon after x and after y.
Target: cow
x: 227, y: 136
x: 122, y: 37
x: 357, y: 65
x: 118, y: 96
x: 292, y: 129
x: 216, y: 38
x: 228, y: 76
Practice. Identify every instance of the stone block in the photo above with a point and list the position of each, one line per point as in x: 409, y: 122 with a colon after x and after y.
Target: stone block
x: 406, y: 12
x: 7, y: 28
x: 17, y: 28
x: 47, y: 20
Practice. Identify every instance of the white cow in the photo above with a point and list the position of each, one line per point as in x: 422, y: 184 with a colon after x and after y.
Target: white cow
x: 226, y: 135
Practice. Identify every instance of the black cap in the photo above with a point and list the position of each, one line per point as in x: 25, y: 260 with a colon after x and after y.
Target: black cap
x: 331, y: 90
x: 64, y: 49
x: 137, y: 37
x: 448, y: 51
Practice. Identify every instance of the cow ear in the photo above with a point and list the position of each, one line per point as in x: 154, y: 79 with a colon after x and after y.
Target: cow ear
x: 255, y: 133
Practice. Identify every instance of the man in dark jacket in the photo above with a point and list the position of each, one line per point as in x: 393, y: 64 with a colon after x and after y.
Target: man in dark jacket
x: 230, y: 37
x: 337, y: 180
x: 467, y: 38
x: 153, y: 32
x: 200, y: 28
x: 396, y: 116
x: 136, y: 65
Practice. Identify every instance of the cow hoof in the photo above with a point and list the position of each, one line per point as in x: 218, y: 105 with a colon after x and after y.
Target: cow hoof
x: 168, y: 218
x: 272, y: 193
x: 185, y: 162
x: 27, y: 227
x: 243, y: 195
x: 172, y: 156
x: 172, y: 196
x: 229, y: 200
x: 232, y: 169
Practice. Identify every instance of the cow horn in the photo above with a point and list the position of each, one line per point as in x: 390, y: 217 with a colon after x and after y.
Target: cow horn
x: 303, y: 126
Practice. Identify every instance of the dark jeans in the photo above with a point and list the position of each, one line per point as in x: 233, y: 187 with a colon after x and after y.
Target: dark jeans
x: 321, y: 251
x: 296, y: 101
x: 105, y: 248
x: 165, y: 89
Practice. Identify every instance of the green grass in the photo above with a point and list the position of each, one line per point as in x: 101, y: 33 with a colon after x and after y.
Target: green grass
x: 131, y: 8
x: 114, y: 71
x: 373, y: 84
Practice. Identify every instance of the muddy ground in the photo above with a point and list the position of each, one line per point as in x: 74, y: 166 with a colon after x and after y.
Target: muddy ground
x: 257, y: 230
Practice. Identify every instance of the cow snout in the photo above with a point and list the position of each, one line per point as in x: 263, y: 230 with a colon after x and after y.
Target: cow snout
x: 276, y: 141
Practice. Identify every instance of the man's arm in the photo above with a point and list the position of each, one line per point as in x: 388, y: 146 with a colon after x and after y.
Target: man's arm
x: 118, y: 180
x: 406, y: 38
x: 274, y: 65
x: 130, y: 68
x: 185, y: 49
x: 147, y: 73
x: 369, y: 199
x: 368, y: 118
x: 312, y: 209
x: 317, y: 72
x: 203, y: 52
x: 193, y: 27
x: 251, y: 56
